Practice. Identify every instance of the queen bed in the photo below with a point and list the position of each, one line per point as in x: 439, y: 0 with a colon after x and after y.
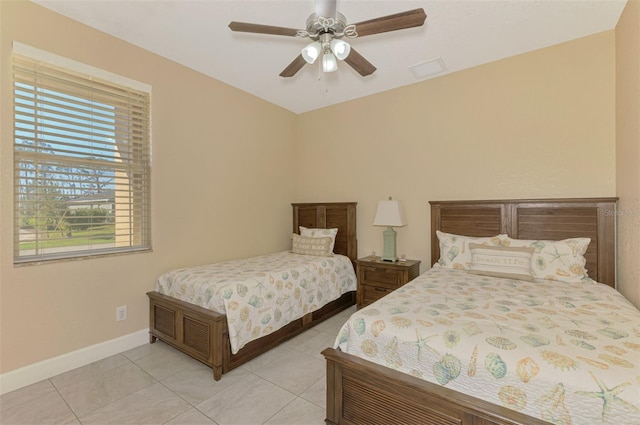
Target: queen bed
x: 463, y: 344
x: 227, y: 313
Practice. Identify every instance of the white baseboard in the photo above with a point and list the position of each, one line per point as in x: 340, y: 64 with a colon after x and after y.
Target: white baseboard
x: 45, y: 369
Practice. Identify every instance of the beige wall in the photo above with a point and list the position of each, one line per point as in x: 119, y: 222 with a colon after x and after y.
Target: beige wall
x: 533, y: 126
x: 213, y: 188
x: 628, y: 150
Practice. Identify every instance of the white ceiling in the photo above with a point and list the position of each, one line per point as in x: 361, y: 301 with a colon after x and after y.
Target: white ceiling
x: 464, y: 33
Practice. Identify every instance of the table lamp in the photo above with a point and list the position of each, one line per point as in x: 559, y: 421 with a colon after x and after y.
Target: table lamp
x: 389, y: 214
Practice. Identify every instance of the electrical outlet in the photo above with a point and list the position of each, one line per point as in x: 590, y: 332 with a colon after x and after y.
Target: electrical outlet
x: 121, y: 313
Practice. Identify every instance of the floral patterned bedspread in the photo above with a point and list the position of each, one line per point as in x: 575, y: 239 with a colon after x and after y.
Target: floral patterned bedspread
x: 261, y: 294
x: 568, y: 353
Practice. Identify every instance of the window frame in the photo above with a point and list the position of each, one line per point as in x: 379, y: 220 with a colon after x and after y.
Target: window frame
x: 124, y: 157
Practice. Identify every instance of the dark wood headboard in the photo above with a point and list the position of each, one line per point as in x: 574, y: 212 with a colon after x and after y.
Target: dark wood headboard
x: 340, y: 215
x: 548, y: 219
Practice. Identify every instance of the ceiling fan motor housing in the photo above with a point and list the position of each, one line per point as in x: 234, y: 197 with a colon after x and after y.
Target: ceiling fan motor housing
x: 317, y: 25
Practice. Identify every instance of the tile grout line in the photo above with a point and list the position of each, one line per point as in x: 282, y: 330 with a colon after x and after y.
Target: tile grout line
x: 64, y: 400
x: 119, y: 398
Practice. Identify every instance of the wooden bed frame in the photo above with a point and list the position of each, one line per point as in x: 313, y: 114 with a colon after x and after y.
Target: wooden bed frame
x: 203, y: 334
x: 362, y: 392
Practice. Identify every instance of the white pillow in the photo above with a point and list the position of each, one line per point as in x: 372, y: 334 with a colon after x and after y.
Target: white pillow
x: 307, y: 245
x: 501, y: 261
x: 455, y: 252
x: 556, y: 260
x: 319, y: 233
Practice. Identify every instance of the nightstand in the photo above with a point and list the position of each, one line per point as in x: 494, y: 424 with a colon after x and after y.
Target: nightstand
x: 377, y: 278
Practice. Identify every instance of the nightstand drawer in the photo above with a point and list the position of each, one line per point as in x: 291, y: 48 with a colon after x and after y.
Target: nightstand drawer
x: 380, y: 276
x: 372, y: 294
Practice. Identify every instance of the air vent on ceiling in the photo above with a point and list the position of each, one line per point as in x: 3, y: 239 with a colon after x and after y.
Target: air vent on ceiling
x: 428, y: 68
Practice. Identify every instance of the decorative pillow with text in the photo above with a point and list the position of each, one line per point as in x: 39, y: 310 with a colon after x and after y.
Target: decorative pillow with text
x: 316, y: 233
x: 500, y: 261
x: 308, y: 245
x: 455, y: 252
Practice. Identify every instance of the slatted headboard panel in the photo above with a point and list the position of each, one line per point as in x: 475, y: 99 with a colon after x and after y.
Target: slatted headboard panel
x: 340, y: 215
x: 549, y: 219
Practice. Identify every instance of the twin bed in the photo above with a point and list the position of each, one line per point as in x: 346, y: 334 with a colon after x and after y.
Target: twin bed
x: 460, y: 346
x: 261, y: 301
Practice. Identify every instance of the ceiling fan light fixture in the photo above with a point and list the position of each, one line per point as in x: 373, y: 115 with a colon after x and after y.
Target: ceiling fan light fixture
x: 340, y: 48
x: 326, y: 29
x: 329, y: 62
x: 311, y: 52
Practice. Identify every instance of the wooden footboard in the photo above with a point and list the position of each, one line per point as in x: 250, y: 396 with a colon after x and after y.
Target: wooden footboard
x: 194, y: 330
x: 360, y: 392
x: 203, y: 334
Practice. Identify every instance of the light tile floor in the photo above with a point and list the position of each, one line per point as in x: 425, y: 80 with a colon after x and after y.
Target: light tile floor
x: 156, y: 384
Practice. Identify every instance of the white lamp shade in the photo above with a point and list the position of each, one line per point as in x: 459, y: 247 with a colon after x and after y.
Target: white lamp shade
x: 329, y: 62
x: 340, y: 48
x: 390, y: 213
x: 311, y: 52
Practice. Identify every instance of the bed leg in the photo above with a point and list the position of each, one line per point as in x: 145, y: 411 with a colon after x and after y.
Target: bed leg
x: 217, y: 373
x: 152, y: 339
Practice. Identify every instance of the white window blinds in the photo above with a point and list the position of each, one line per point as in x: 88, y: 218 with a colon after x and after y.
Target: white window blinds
x: 82, y: 164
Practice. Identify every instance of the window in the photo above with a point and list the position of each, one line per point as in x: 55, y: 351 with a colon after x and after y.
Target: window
x: 81, y: 160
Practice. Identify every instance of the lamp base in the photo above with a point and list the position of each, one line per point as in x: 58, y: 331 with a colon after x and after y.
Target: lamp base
x: 389, y: 253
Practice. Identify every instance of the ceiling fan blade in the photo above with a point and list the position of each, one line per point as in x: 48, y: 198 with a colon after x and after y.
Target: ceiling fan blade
x: 359, y: 63
x: 398, y: 21
x: 294, y: 67
x: 262, y: 29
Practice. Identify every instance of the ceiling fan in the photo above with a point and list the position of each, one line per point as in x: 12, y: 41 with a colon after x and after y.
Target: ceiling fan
x: 327, y: 29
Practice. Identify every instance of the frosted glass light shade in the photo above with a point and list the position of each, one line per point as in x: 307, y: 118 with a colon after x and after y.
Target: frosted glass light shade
x: 311, y: 52
x: 340, y: 48
x: 329, y: 62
